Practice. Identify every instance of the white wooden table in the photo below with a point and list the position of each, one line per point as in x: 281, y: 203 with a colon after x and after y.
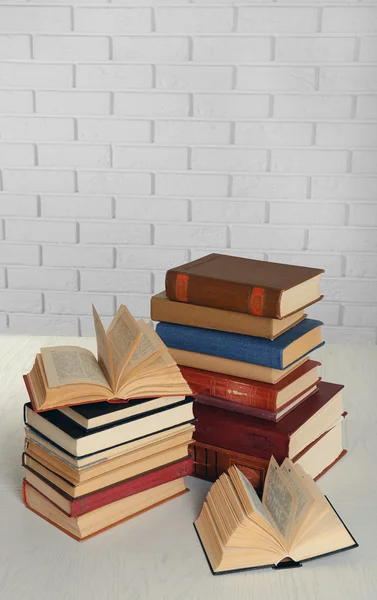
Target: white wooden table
x: 157, y: 555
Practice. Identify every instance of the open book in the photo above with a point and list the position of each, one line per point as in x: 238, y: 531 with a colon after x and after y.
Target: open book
x: 132, y: 363
x: 293, y: 522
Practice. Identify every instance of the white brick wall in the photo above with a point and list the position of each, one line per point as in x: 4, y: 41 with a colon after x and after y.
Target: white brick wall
x: 139, y: 135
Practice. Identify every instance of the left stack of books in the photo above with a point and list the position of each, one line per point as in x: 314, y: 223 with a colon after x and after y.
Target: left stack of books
x: 105, y: 439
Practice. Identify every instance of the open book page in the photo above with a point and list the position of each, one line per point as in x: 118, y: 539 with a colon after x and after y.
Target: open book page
x: 280, y: 500
x: 103, y: 350
x: 255, y: 503
x: 123, y: 336
x: 149, y: 345
x: 305, y: 500
x: 70, y: 364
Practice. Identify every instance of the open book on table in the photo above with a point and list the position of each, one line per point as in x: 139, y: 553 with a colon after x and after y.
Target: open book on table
x: 293, y: 522
x: 132, y: 362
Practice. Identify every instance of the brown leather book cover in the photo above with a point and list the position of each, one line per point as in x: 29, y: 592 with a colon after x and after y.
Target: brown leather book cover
x: 238, y: 284
x: 181, y: 313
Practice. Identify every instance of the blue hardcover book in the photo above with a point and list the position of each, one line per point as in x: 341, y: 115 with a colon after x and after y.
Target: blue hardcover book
x: 280, y: 353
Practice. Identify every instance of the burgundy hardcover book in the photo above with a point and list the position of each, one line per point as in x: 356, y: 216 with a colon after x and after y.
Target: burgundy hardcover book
x: 129, y: 487
x: 248, y: 392
x: 261, y: 438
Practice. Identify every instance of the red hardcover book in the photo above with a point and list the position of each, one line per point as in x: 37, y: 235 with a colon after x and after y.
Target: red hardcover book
x: 129, y: 487
x: 263, y: 439
x: 249, y: 392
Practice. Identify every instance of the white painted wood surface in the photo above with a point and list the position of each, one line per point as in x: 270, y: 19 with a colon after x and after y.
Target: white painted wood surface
x: 157, y: 556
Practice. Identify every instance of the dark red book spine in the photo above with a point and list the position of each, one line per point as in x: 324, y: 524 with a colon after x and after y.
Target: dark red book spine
x: 235, y: 432
x: 132, y: 486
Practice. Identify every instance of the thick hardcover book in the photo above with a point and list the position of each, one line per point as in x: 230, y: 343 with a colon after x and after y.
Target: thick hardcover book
x: 78, y: 506
x: 249, y: 392
x: 277, y: 354
x: 243, y: 285
x: 168, y: 311
x: 261, y: 438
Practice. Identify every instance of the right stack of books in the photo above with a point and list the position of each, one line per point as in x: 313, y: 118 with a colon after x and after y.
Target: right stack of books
x: 238, y: 330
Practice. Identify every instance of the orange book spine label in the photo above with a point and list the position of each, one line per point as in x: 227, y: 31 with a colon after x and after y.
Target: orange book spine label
x: 257, y: 301
x: 181, y: 287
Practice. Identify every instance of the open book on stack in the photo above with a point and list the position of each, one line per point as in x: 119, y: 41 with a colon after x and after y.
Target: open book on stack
x: 294, y: 522
x: 132, y: 362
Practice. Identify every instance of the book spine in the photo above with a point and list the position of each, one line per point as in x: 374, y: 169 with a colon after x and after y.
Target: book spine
x: 250, y: 411
x: 133, y: 486
x: 227, y: 295
x: 223, y: 387
x: 238, y: 433
x: 28, y: 389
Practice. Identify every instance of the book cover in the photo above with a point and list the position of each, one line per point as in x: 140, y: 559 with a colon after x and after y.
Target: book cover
x: 237, y: 347
x: 238, y: 284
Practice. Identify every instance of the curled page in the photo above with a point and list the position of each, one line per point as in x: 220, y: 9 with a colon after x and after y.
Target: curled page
x: 123, y: 336
x: 103, y: 350
x: 279, y: 499
x: 70, y: 364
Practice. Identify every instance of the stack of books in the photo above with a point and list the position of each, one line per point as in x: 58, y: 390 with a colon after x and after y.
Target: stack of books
x: 91, y: 459
x: 238, y: 331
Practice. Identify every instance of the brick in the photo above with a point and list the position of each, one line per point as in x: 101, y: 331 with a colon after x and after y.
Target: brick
x: 266, y: 238
x: 349, y: 187
x: 114, y: 233
x: 38, y: 230
x: 41, y: 278
x: 349, y: 335
x: 13, y: 154
x: 348, y: 79
x: 19, y: 254
x: 113, y: 130
x: 76, y: 206
x: 315, y: 49
x: 15, y: 47
x: 152, y: 209
x: 224, y: 105
x: 36, y: 128
x: 229, y: 159
x: 4, y: 323
x: 230, y: 211
x: 368, y: 49
x: 191, y: 184
x: 343, y: 240
x: 31, y: 75
x: 113, y: 182
x: 74, y: 155
x: 110, y: 76
x: 366, y: 107
x: 43, y: 325
x: 73, y: 103
x: 87, y: 325
x: 231, y: 49
x: 113, y: 20
x: 349, y: 290
x: 192, y: 132
x: 3, y: 279
x: 159, y: 280
x: 353, y: 20
x: 149, y: 258
x: 151, y: 49
x: 78, y: 256
x: 308, y: 213
x: 270, y: 134
x: 269, y: 186
x: 38, y: 180
x: 194, y: 19
x: 115, y: 281
x: 346, y: 134
x: 328, y: 313
x: 150, y: 157
x: 158, y: 104
x: 35, y: 19
x: 29, y: 302
x: 191, y: 235
x: 23, y: 205
x: 276, y: 78
x: 16, y: 101
x: 78, y: 303
x: 318, y: 106
x: 137, y: 304
x: 364, y: 161
x: 363, y: 214
x: 194, y: 77
x: 71, y: 47
x: 277, y: 19
x: 360, y: 265
x: 360, y: 316
x: 331, y: 263
x: 309, y: 161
